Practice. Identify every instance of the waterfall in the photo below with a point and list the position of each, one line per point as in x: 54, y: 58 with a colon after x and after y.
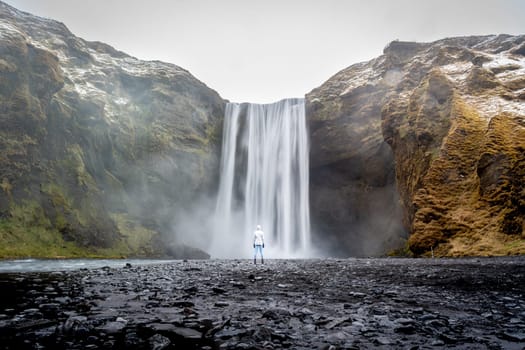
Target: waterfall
x: 263, y: 180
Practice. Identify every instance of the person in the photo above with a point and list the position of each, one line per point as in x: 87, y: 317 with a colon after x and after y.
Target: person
x: 258, y: 244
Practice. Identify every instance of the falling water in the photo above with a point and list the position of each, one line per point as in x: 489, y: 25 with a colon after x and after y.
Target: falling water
x: 264, y: 180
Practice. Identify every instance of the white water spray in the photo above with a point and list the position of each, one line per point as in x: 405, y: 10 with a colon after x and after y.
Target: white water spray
x: 263, y: 180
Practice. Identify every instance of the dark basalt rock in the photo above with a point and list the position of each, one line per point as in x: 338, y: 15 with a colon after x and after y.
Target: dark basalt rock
x: 345, y: 304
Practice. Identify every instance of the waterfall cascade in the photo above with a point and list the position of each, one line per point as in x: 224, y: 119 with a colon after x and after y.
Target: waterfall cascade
x: 263, y: 180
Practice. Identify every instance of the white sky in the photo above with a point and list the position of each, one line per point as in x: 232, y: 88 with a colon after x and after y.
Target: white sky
x: 263, y: 51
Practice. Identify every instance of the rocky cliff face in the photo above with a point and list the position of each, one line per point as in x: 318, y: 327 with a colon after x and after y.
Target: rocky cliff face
x: 102, y: 154
x: 98, y: 149
x: 443, y: 125
x: 353, y: 192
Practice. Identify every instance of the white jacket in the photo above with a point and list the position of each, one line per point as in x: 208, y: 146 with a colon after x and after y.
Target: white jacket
x: 258, y: 237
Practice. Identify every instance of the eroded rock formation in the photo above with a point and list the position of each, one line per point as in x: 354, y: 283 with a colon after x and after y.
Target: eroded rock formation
x: 453, y: 114
x: 98, y: 149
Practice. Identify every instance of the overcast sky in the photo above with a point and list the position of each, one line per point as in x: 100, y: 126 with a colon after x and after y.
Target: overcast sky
x: 263, y: 51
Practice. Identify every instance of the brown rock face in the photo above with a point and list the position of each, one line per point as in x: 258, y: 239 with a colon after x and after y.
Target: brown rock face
x: 453, y: 115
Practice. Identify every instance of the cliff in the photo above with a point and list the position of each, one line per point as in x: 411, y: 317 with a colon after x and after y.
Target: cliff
x: 440, y: 124
x: 420, y: 150
x: 99, y: 150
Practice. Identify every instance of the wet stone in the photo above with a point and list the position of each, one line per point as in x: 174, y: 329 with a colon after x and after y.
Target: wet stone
x: 230, y: 333
x: 113, y: 327
x: 51, y: 311
x: 404, y: 321
x: 92, y: 339
x: 182, y: 304
x: 427, y: 317
x: 239, y: 285
x: 382, y: 341
x: 159, y: 342
x: 513, y: 336
x: 161, y: 327
x: 218, y: 290
x: 296, y: 304
x: 277, y: 314
x: 187, y: 333
x: 76, y: 325
x: 262, y: 334
x: 447, y: 338
x: 437, y: 343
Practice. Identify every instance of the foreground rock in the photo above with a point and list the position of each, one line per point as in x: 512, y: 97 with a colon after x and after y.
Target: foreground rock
x: 310, y: 304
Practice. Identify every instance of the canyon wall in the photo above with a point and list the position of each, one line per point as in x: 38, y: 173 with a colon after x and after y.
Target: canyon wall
x: 420, y: 151
x: 424, y: 142
x: 100, y: 152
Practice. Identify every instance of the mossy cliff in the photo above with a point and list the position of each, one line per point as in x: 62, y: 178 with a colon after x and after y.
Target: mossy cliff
x: 98, y: 149
x: 101, y: 154
x: 453, y: 115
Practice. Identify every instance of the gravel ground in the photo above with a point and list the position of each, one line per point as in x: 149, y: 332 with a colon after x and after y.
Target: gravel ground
x: 473, y: 303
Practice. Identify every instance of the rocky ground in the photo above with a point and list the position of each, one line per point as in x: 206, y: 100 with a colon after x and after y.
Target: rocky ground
x: 296, y: 304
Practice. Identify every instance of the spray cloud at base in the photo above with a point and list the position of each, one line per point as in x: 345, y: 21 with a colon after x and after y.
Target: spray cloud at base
x: 264, y: 180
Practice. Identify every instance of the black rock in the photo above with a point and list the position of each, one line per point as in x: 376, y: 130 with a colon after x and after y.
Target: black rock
x: 49, y: 309
x: 159, y: 342
x: 239, y: 285
x: 230, y: 333
x: 185, y: 303
x: 181, y: 303
x: 262, y: 334
x: 218, y: 290
x: 406, y: 329
x: 191, y: 290
x: 512, y: 336
x: 112, y: 327
x: 77, y: 326
x: 187, y: 333
x: 277, y: 314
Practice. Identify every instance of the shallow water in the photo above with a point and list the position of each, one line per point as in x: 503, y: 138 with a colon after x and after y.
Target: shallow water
x: 49, y: 265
